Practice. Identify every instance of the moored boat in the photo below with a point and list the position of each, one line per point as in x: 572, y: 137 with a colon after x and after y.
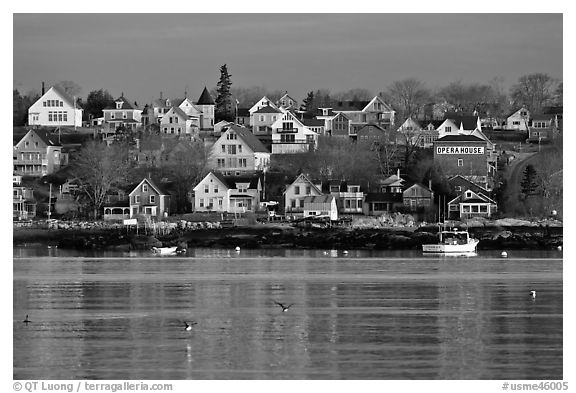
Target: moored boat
x: 452, y: 242
x: 165, y: 250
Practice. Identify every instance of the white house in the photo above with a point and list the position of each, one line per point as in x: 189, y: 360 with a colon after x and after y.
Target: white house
x: 290, y: 135
x: 471, y: 204
x: 232, y: 194
x: 55, y: 108
x: 518, y: 120
x: 177, y: 122
x: 238, y: 151
x: 264, y: 101
x: 295, y: 193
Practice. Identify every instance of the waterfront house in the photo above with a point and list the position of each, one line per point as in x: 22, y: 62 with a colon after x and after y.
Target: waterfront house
x: 55, y: 108
x: 349, y: 197
x: 231, y: 194
x: 295, y: 193
x: 378, y: 203
x: 542, y: 127
x: 37, y: 154
x: 237, y: 151
x: 518, y: 120
x: 122, y: 114
x: 471, y: 204
x: 320, y: 206
x: 290, y: 135
x: 23, y: 202
x: 458, y: 184
x: 149, y: 200
x: 417, y: 197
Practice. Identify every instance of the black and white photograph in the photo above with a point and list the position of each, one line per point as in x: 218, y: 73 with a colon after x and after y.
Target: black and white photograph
x: 288, y: 194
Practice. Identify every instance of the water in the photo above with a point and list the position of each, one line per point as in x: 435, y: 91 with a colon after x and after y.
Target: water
x: 364, y: 315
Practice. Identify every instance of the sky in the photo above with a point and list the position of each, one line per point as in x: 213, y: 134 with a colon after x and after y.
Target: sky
x: 142, y: 55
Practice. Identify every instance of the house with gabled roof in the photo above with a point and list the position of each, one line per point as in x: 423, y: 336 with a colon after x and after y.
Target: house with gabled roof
x: 320, y: 206
x: 177, y: 122
x: 56, y: 109
x: 149, y: 200
x: 416, y: 197
x: 290, y: 135
x: 262, y: 121
x: 287, y: 102
x: 264, y: 101
x: 315, y: 125
x: 231, y: 194
x: 340, y: 125
x: 122, y: 114
x: 295, y: 193
x: 38, y: 153
x: 471, y: 204
x: 374, y: 111
x: 542, y: 127
x: 518, y: 119
x: 237, y: 151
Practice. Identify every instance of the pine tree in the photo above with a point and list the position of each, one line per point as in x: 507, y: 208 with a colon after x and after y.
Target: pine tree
x: 529, y: 181
x: 308, y: 104
x: 223, y: 110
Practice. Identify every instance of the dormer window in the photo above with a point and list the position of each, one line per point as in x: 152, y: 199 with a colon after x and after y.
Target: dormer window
x: 118, y: 104
x: 468, y: 194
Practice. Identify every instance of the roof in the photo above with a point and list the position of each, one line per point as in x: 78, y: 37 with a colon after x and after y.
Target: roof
x: 267, y: 109
x: 205, y: 98
x: 350, y: 106
x: 541, y: 116
x: 313, y: 122
x: 230, y: 181
x: 46, y: 137
x: 460, y: 138
x: 244, y: 112
x: 125, y: 104
x: 159, y: 190
x: 249, y: 138
x: 319, y: 199
x: 64, y: 95
x: 468, y: 122
x: 179, y: 112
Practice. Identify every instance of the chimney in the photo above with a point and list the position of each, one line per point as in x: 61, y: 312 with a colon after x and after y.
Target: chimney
x: 398, y: 173
x: 42, y: 88
x: 430, y: 184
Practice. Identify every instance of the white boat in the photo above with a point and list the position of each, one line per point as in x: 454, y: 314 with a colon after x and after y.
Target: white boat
x: 165, y: 250
x: 452, y: 242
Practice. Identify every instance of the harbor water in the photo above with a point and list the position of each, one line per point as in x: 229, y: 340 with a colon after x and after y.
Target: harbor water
x: 355, y: 315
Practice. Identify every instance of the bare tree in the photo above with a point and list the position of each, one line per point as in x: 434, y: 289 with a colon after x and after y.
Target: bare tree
x: 99, y: 169
x: 408, y: 96
x: 73, y: 89
x: 533, y: 90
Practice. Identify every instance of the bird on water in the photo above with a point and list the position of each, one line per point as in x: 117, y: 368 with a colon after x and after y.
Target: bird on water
x: 533, y: 294
x: 284, y: 308
x: 188, y: 326
x: 26, y: 320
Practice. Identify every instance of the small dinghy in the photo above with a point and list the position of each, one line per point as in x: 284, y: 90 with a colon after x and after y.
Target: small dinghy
x: 165, y: 250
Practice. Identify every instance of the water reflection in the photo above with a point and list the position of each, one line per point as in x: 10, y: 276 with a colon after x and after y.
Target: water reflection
x: 106, y: 317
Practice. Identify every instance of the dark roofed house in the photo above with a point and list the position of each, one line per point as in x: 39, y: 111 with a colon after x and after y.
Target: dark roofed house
x: 149, y: 200
x: 121, y: 114
x: 38, y: 153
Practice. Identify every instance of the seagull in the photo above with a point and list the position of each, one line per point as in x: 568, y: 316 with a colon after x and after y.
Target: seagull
x: 26, y: 321
x: 284, y: 308
x: 188, y: 326
x: 533, y: 294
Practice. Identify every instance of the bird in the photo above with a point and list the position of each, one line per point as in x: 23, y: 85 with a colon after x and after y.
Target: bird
x: 188, y: 326
x: 237, y: 249
x: 26, y: 320
x: 284, y: 308
x: 533, y: 294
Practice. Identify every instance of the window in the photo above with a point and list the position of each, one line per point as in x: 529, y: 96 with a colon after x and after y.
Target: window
x: 458, y: 188
x: 302, y: 203
x: 261, y: 117
x: 239, y: 148
x: 243, y: 163
x: 223, y: 148
x: 221, y: 163
x: 460, y: 162
x: 231, y: 149
x: 49, y: 116
x: 515, y: 123
x: 215, y: 188
x: 308, y: 190
x: 296, y: 190
x: 44, y: 103
x: 144, y: 187
x: 65, y: 116
x: 201, y: 202
x: 152, y: 198
x: 523, y: 113
x: 136, y: 198
x: 447, y: 129
x: 206, y: 189
x: 61, y: 103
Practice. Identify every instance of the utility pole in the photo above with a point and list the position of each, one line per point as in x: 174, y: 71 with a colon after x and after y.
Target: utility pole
x: 50, y: 201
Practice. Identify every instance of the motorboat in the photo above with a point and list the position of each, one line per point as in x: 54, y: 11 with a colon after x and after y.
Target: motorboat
x: 165, y: 250
x: 452, y: 241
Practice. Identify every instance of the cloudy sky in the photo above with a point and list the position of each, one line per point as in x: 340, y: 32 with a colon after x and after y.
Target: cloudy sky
x: 142, y: 55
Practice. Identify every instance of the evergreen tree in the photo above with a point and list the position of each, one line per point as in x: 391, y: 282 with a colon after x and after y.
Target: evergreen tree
x: 223, y: 110
x: 308, y: 105
x: 529, y: 181
x: 96, y: 101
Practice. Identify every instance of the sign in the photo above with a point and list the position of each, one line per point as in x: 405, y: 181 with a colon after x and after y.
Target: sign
x: 459, y: 150
x: 130, y: 221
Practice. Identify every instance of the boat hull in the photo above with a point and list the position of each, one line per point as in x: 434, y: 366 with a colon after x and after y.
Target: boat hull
x: 451, y: 248
x: 165, y: 250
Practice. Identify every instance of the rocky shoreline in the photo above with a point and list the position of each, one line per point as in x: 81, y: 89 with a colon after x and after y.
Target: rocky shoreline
x: 542, y: 237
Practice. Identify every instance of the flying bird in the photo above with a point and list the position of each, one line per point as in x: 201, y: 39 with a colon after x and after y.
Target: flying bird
x: 284, y: 308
